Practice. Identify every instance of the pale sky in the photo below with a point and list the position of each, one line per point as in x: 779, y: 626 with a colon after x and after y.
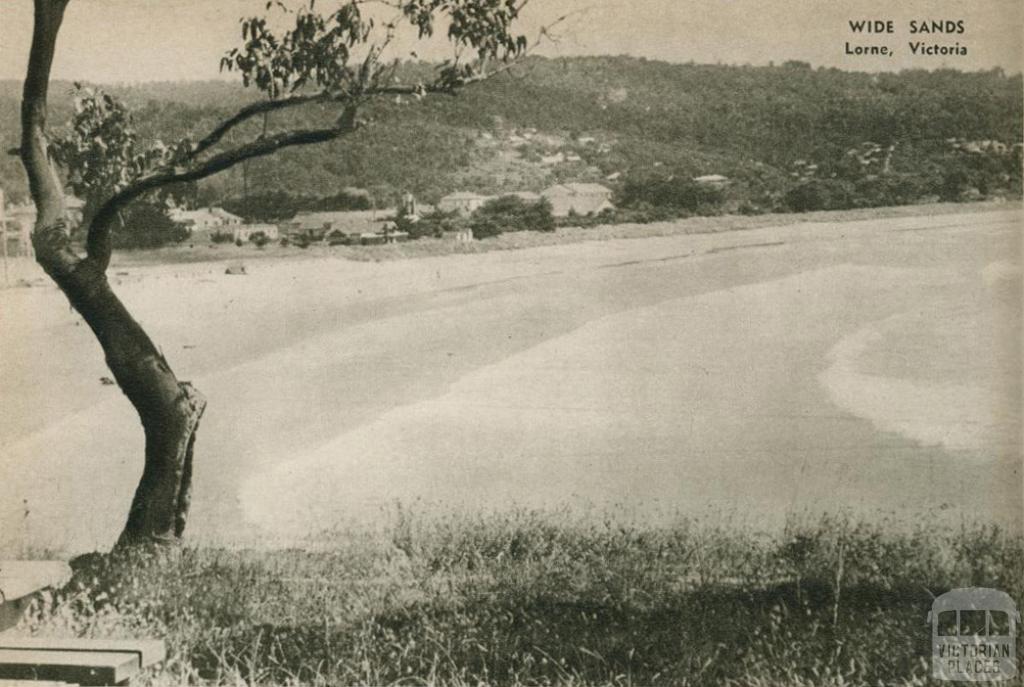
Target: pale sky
x: 149, y: 40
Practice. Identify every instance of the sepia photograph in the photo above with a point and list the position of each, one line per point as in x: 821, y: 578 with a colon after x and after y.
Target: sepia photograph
x: 511, y: 342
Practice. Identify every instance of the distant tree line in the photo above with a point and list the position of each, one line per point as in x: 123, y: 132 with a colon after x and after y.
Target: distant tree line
x: 276, y: 206
x: 789, y: 138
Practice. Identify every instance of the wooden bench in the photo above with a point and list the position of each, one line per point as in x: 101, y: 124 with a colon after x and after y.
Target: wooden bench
x: 62, y: 661
x: 81, y: 661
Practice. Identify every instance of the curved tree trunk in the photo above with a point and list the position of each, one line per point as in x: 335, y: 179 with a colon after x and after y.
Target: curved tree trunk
x: 169, y: 410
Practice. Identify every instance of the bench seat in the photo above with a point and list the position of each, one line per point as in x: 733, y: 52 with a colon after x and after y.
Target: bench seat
x: 42, y: 661
x: 82, y: 661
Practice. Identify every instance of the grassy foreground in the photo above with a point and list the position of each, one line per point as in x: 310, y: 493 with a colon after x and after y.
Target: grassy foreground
x: 544, y: 598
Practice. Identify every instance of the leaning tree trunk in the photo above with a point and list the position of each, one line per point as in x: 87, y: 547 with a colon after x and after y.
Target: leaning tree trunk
x: 169, y: 410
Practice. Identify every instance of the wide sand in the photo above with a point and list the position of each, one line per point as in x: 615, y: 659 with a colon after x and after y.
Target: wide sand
x: 869, y: 366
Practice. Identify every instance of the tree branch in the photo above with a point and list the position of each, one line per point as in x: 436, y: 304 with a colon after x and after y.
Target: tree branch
x: 98, y: 243
x: 250, y: 111
x: 364, y: 89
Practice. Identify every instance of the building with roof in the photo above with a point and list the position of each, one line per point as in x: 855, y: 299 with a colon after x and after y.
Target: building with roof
x: 244, y: 232
x: 578, y: 198
x: 317, y: 225
x: 206, y: 220
x: 463, y: 202
x: 228, y: 219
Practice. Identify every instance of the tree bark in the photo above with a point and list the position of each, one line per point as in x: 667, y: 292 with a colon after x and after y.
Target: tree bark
x: 169, y: 410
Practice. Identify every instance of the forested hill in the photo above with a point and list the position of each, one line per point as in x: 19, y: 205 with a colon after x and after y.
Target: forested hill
x: 589, y: 118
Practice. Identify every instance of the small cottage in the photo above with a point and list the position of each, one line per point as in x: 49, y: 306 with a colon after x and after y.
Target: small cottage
x: 247, y: 231
x: 578, y: 198
x: 463, y: 202
x: 206, y: 220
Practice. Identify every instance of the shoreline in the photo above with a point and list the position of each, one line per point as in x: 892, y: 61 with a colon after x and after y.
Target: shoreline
x: 25, y: 273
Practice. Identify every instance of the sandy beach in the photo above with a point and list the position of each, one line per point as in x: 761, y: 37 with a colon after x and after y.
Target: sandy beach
x: 871, y: 366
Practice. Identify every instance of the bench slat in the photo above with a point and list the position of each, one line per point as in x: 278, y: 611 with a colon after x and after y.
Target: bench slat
x: 83, y: 667
x: 149, y: 651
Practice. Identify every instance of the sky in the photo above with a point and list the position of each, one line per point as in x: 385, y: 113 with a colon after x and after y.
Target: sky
x: 160, y: 40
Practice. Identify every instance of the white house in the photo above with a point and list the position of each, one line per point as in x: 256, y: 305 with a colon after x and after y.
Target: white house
x: 245, y: 231
x: 205, y: 220
x: 579, y: 198
x: 463, y: 202
x: 229, y: 220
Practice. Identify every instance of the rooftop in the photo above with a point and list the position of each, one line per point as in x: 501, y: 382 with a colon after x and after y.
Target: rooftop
x: 577, y: 189
x: 463, y: 195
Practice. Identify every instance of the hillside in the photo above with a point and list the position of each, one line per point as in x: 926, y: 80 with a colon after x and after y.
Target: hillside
x: 588, y: 118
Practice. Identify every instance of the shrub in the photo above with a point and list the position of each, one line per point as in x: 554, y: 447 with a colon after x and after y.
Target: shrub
x: 890, y: 189
x: 340, y: 238
x: 955, y: 184
x: 147, y: 226
x: 259, y: 238
x: 819, y: 194
x: 431, y: 225
x: 641, y: 214
x: 677, y: 192
x: 301, y: 240
x: 511, y: 213
x: 271, y: 206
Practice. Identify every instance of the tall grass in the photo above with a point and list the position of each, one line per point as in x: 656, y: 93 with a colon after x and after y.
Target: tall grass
x: 539, y: 598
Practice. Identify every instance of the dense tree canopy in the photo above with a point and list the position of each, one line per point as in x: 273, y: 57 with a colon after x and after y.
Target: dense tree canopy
x: 746, y: 122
